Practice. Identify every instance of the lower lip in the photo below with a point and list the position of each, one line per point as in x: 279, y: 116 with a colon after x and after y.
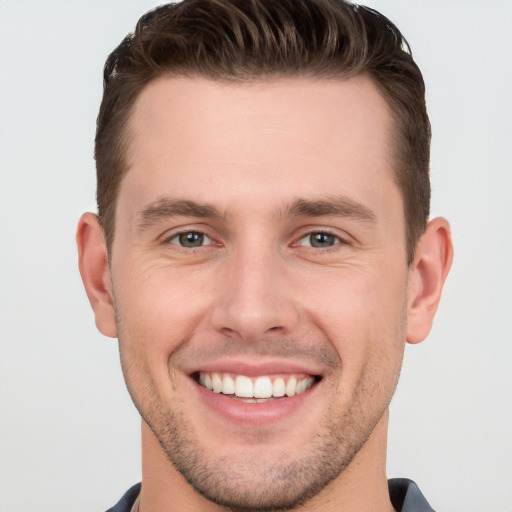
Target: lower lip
x: 253, y: 413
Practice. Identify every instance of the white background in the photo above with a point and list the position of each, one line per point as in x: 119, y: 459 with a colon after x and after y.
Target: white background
x: 68, y: 432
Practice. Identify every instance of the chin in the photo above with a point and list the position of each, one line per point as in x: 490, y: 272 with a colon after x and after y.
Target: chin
x: 256, y: 477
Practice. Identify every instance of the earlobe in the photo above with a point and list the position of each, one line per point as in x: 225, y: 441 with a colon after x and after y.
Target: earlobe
x: 95, y: 272
x: 427, y: 275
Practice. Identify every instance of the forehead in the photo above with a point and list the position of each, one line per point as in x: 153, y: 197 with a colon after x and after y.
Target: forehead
x: 197, y: 107
x: 294, y: 136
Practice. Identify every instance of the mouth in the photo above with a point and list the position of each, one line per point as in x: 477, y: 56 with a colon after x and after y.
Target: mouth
x: 260, y: 389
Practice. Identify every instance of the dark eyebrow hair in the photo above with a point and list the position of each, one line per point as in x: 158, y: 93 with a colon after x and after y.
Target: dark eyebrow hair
x: 166, y: 207
x: 340, y: 206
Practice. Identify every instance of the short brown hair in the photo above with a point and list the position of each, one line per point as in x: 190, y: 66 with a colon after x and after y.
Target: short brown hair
x: 247, y: 40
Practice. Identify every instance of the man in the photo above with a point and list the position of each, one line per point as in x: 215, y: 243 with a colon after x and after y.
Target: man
x: 262, y: 250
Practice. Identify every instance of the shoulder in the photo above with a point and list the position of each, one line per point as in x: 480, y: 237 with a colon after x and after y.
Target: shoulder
x: 406, y: 496
x: 126, y: 502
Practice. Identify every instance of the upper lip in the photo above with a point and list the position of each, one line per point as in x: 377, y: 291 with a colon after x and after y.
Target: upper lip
x: 255, y: 368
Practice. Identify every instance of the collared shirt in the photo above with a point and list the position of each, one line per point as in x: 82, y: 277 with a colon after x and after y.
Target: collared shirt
x: 405, y: 497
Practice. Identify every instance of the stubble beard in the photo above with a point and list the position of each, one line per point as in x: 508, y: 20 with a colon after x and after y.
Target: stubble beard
x: 265, y: 485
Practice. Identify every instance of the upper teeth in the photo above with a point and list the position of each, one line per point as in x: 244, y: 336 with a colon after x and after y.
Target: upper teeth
x: 259, y: 387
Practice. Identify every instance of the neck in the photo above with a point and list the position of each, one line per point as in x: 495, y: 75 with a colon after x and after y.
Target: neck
x: 361, y: 487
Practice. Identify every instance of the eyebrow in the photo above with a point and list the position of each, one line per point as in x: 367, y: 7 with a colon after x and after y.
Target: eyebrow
x: 337, y: 206
x: 165, y: 208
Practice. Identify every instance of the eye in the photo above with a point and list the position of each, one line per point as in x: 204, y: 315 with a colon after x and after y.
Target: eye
x: 320, y: 240
x: 191, y: 239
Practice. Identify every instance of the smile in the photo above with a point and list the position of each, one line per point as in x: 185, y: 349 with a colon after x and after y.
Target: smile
x: 256, y: 388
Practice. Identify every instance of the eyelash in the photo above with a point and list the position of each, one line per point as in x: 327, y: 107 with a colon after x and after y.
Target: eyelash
x: 197, y: 233
x: 337, y: 240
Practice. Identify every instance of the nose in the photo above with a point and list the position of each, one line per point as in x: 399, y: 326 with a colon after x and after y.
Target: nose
x: 255, y: 297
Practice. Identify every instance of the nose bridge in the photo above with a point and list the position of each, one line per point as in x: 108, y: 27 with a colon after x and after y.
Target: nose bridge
x: 254, y: 296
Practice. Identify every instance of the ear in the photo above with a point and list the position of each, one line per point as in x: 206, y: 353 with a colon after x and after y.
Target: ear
x: 95, y: 272
x: 432, y: 262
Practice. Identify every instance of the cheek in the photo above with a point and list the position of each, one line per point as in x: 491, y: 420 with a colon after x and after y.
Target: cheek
x: 363, y: 315
x: 156, y: 313
x: 160, y: 306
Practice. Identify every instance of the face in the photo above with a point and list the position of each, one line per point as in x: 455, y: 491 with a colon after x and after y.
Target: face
x: 260, y: 281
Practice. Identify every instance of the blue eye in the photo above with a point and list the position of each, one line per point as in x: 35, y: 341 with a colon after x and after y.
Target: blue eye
x: 191, y: 239
x: 319, y: 240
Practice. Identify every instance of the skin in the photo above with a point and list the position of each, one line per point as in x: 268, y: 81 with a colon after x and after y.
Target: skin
x: 255, y: 292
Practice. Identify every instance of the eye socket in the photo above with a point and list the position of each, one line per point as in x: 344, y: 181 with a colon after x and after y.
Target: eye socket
x: 320, y: 240
x: 190, y: 239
